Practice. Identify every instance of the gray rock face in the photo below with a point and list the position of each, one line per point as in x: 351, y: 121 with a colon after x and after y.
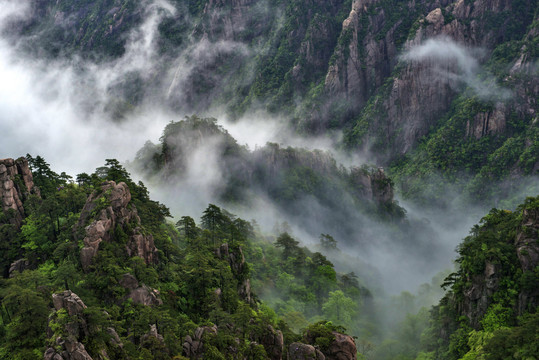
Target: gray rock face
x: 18, y: 267
x: 70, y: 301
x: 300, y: 351
x: 16, y: 184
x: 193, y: 346
x: 372, y: 185
x: 236, y: 260
x: 112, y: 209
x: 69, y: 344
x: 140, y: 294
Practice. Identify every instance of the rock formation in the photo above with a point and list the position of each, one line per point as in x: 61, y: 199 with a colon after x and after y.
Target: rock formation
x: 69, y: 340
x: 140, y: 294
x: 107, y: 210
x: 69, y: 336
x: 16, y: 184
x: 300, y: 351
x: 238, y: 266
x: 273, y: 342
x: 342, y: 348
x: 193, y: 346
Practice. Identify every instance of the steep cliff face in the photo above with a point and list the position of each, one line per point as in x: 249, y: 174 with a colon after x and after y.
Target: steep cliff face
x: 16, y: 184
x: 419, y: 93
x: 108, y: 214
x: 498, y: 267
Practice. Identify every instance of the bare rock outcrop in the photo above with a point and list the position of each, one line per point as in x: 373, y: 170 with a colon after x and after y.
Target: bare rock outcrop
x: 152, y: 334
x: 238, y: 266
x: 300, y: 351
x: 373, y: 185
x: 140, y: 294
x: 107, y: 210
x: 69, y: 340
x: 342, y: 348
x: 193, y: 346
x: 273, y: 342
x: 18, y: 267
x: 16, y: 184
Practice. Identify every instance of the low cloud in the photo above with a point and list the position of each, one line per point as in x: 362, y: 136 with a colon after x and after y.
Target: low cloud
x: 458, y: 65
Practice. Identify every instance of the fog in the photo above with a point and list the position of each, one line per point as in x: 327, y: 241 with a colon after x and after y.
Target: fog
x: 457, y: 64
x: 61, y: 109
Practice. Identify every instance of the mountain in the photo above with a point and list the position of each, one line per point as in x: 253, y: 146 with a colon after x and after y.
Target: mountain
x: 435, y: 91
x: 95, y: 272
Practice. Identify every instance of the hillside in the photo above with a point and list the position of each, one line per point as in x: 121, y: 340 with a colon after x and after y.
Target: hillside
x: 93, y: 271
x: 440, y: 91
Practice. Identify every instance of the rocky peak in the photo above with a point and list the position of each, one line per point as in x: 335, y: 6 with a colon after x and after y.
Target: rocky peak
x: 104, y: 211
x: 16, y: 184
x: 67, y: 345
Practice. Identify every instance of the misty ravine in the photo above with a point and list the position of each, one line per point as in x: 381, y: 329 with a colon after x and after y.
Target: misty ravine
x: 269, y: 179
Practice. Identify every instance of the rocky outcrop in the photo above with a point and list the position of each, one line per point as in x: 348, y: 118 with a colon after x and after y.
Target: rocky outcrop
x: 300, y: 351
x: 372, y: 184
x: 410, y: 103
x: 152, y: 334
x: 106, y: 211
x: 273, y: 342
x: 362, y: 59
x: 342, y: 348
x: 236, y: 259
x: 486, y: 123
x: 16, y: 185
x: 193, y: 346
x: 67, y: 344
x: 68, y: 334
x: 140, y: 294
x: 18, y: 267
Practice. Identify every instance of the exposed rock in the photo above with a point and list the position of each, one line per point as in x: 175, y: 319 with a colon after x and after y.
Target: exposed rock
x: 145, y: 295
x: 129, y: 282
x: 70, y: 345
x: 300, y: 351
x: 237, y: 263
x: 152, y: 333
x: 18, y: 267
x: 114, y: 337
x: 273, y: 342
x: 112, y: 209
x: 193, y: 347
x: 485, y: 123
x: 70, y: 301
x: 16, y: 185
x: 373, y: 185
x: 343, y: 348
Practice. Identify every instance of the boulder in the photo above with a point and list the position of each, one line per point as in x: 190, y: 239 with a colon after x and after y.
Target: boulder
x: 342, y: 348
x: 300, y: 351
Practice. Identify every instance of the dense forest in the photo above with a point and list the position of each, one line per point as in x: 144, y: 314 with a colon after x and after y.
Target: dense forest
x: 282, y: 179
x: 93, y: 268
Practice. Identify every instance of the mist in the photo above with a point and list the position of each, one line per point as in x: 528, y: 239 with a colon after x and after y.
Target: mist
x: 458, y: 65
x: 64, y: 110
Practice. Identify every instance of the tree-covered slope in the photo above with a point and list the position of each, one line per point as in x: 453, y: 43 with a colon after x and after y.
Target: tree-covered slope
x: 490, y: 309
x: 94, y: 271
